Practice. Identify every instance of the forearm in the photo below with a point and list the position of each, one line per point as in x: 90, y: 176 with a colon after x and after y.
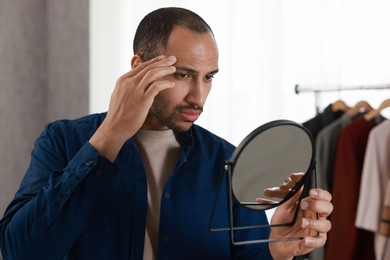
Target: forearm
x: 48, y: 223
x: 108, y: 140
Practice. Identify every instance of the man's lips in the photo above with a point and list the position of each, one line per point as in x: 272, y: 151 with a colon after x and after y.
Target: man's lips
x: 190, y: 114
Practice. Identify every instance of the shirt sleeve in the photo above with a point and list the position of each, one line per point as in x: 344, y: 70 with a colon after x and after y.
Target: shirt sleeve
x: 55, y: 198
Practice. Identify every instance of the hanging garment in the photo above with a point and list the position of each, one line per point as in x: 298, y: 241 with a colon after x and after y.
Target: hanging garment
x: 382, y: 239
x: 375, y: 175
x: 315, y: 124
x: 356, y: 243
x: 326, y: 148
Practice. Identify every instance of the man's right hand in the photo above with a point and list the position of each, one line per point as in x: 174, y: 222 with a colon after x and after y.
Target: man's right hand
x: 130, y: 102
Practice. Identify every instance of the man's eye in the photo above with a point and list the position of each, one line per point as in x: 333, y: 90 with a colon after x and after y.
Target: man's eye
x: 181, y: 75
x: 209, y: 77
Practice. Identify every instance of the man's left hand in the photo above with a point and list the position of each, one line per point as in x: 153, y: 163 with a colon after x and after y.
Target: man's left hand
x: 311, y: 224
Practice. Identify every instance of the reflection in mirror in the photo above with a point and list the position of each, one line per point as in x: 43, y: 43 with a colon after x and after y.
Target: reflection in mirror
x: 269, y: 166
x: 274, y: 195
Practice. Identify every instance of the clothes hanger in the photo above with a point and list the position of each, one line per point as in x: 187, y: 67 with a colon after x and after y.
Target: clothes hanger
x: 375, y: 112
x: 359, y: 107
x: 339, y: 105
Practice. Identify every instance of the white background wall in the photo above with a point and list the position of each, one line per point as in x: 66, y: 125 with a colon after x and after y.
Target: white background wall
x: 266, y: 47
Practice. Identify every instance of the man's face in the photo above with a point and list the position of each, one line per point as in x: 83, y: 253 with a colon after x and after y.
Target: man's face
x: 197, y: 62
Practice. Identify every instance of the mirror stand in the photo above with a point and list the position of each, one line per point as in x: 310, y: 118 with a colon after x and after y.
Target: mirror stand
x: 232, y: 228
x: 276, y: 160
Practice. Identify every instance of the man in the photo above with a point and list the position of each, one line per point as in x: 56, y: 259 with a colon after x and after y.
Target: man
x: 139, y: 181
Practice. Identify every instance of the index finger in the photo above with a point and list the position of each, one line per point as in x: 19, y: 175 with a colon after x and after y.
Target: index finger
x: 167, y: 61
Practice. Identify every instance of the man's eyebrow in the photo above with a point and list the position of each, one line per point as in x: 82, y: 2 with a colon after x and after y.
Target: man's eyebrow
x: 193, y: 71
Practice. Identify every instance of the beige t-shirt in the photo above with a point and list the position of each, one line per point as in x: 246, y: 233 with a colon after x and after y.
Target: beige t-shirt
x: 159, y: 151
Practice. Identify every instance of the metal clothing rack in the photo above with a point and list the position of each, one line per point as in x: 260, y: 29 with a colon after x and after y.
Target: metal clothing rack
x: 317, y: 89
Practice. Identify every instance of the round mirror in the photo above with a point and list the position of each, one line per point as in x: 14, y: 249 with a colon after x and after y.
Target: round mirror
x: 271, y: 164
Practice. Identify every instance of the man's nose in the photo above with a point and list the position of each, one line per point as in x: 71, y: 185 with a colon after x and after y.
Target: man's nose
x: 197, y: 94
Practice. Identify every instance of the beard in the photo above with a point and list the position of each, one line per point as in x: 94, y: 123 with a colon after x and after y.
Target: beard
x: 171, y: 118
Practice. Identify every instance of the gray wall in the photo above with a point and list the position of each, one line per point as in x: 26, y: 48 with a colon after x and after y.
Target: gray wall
x: 44, y: 75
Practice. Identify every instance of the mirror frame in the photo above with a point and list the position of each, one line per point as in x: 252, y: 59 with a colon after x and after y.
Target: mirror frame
x: 308, y: 181
x: 231, y: 163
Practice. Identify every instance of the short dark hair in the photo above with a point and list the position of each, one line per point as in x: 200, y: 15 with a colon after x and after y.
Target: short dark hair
x: 153, y: 31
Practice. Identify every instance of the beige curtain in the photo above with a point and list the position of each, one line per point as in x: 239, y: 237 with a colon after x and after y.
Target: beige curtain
x: 44, y: 75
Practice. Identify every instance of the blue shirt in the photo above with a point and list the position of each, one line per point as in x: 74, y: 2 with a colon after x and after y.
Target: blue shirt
x: 75, y: 204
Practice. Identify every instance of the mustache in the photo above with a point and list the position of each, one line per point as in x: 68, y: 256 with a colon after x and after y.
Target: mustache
x: 192, y: 106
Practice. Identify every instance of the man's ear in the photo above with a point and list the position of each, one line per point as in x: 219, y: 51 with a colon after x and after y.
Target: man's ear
x: 136, y: 60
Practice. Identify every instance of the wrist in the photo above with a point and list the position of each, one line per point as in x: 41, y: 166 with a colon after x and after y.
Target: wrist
x: 278, y: 250
x: 108, y: 141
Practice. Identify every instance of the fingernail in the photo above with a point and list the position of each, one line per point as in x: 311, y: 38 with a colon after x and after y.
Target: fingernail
x: 305, y: 222
x: 304, y: 204
x: 172, y: 58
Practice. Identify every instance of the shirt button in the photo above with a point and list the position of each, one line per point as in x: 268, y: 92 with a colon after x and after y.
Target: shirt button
x: 165, y: 238
x: 184, y: 160
x: 89, y: 163
x: 167, y: 195
x: 99, y: 173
